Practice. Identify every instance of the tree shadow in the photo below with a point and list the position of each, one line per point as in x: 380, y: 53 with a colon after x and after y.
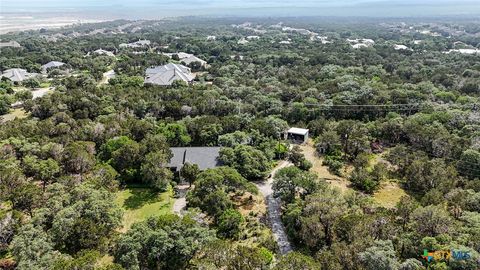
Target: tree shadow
x: 140, y: 197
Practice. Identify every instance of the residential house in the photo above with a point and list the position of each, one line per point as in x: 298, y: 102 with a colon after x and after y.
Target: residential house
x: 51, y: 65
x: 104, y: 52
x: 11, y: 43
x: 204, y: 157
x: 17, y: 75
x: 187, y: 58
x: 167, y: 74
x: 137, y: 44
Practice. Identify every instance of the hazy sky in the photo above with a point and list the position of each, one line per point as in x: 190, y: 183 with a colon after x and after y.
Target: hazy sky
x: 160, y: 8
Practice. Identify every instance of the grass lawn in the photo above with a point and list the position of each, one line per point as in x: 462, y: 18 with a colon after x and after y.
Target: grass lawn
x: 141, y: 203
x: 45, y: 84
x: 15, y: 113
x: 389, y: 194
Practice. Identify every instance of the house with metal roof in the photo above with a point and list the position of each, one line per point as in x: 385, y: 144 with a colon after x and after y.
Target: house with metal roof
x: 193, y: 58
x: 11, y: 43
x: 204, y: 157
x: 103, y: 52
x: 50, y: 65
x: 167, y: 74
x: 187, y: 58
x: 137, y: 44
x: 17, y: 75
x: 297, y: 135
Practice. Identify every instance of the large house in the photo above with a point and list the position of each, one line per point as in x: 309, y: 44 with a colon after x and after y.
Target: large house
x: 137, y: 44
x: 167, y: 74
x: 50, y: 65
x: 104, y: 52
x: 11, y: 43
x: 187, y: 58
x: 204, y: 157
x: 17, y: 75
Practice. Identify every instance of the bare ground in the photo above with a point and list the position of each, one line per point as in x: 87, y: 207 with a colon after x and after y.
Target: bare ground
x: 321, y: 170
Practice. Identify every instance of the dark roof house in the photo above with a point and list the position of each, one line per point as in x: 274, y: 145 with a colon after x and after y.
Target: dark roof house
x: 204, y: 157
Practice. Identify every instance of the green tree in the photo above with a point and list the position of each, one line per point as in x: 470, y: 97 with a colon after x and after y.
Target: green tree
x: 33, y: 249
x: 229, y: 224
x: 154, y: 171
x: 296, y: 260
x: 469, y: 163
x: 250, y: 162
x: 79, y: 157
x: 290, y: 181
x: 165, y: 242
x: 176, y: 134
x: 86, y: 223
x: 222, y: 254
x: 189, y: 172
x: 381, y: 256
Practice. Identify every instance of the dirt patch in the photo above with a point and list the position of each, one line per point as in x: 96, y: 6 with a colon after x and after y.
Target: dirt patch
x: 322, y: 171
x: 250, y: 203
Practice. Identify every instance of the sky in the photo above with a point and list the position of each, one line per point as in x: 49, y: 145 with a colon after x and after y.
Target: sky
x: 149, y: 9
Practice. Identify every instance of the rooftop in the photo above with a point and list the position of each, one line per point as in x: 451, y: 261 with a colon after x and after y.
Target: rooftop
x: 204, y: 157
x: 299, y: 131
x: 167, y: 74
x: 17, y: 74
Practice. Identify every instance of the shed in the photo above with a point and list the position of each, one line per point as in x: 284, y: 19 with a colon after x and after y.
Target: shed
x: 297, y: 135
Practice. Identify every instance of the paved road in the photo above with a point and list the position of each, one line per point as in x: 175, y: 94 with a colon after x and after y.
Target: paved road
x: 274, y: 211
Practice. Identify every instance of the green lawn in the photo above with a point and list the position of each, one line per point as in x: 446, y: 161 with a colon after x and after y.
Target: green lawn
x: 141, y: 203
x: 45, y: 84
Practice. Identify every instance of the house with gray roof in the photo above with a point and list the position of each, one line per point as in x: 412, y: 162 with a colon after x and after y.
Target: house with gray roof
x: 193, y: 58
x: 103, y: 52
x: 11, y: 43
x: 187, y: 58
x: 137, y: 44
x: 51, y: 65
x: 17, y: 75
x: 167, y: 74
x: 204, y: 157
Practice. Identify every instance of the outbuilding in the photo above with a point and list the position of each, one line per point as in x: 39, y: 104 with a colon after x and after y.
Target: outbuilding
x: 297, y: 135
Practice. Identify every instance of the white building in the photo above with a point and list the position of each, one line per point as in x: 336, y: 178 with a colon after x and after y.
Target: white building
x: 297, y: 135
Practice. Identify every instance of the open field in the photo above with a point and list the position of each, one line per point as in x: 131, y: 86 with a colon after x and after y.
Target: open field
x: 142, y: 203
